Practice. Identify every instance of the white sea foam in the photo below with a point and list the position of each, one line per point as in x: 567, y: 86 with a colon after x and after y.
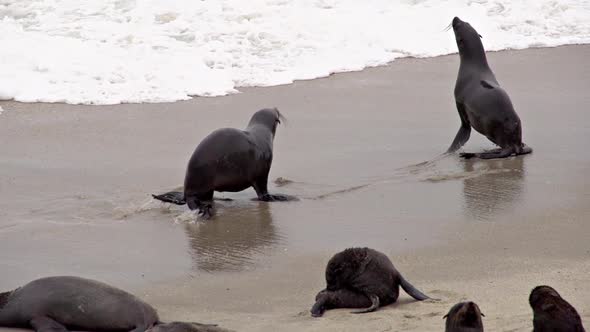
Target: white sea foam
x: 114, y: 51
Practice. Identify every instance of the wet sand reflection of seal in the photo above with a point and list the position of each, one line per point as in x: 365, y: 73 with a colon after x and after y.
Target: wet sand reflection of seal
x: 498, y: 189
x: 232, y: 241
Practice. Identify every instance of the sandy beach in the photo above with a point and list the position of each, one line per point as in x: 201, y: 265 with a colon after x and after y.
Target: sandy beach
x: 363, y: 152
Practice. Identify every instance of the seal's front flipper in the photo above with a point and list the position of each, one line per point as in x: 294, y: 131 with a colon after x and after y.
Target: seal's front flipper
x: 174, y: 197
x: 488, y: 85
x: 277, y: 198
x: 464, y: 131
x: 412, y: 291
x: 46, y: 324
x: 374, y: 305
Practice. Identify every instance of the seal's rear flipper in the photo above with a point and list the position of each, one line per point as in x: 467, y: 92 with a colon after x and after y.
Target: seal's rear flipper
x: 46, y: 324
x: 502, y: 153
x: 277, y: 198
x: 412, y: 291
x: 174, y: 197
x: 374, y: 305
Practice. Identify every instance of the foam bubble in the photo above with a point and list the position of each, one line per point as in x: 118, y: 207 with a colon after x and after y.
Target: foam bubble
x: 116, y: 51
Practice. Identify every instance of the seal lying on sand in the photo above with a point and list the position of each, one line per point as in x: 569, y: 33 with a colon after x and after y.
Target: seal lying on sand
x: 56, y: 304
x: 552, y: 313
x: 481, y: 102
x: 361, y: 278
x: 464, y: 317
x: 230, y: 160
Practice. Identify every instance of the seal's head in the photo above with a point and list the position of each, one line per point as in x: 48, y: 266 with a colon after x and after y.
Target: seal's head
x: 542, y: 295
x: 268, y: 118
x: 468, y: 41
x: 464, y: 315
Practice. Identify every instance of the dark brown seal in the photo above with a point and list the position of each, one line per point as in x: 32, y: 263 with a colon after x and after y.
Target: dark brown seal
x: 551, y: 313
x: 361, y: 278
x: 481, y: 102
x: 231, y: 160
x: 464, y: 317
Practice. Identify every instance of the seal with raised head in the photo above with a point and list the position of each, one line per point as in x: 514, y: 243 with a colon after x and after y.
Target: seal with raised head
x: 551, y: 313
x: 231, y: 160
x: 361, y: 278
x: 481, y: 102
x: 464, y: 317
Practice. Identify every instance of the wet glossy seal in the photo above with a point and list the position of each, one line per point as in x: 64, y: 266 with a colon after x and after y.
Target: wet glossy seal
x: 551, y: 313
x: 231, y: 160
x: 56, y: 304
x: 464, y: 317
x: 361, y: 278
x: 481, y: 102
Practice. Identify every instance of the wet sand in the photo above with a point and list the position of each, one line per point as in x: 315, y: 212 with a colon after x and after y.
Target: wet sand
x: 75, y: 185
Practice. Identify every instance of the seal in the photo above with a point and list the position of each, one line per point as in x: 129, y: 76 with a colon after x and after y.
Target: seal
x: 62, y: 303
x: 552, y: 313
x: 361, y: 278
x: 464, y: 317
x: 481, y: 102
x: 58, y: 303
x: 231, y: 160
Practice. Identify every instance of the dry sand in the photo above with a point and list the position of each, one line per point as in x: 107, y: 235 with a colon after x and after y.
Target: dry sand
x: 75, y: 184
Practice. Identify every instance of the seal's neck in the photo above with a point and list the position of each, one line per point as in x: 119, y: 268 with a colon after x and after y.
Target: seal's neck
x: 261, y: 133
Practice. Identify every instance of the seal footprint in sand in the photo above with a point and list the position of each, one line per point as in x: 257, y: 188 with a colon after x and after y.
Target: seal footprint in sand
x: 361, y: 278
x: 230, y: 160
x: 481, y: 102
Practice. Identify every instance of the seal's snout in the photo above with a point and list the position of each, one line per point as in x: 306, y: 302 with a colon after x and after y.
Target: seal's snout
x: 456, y: 22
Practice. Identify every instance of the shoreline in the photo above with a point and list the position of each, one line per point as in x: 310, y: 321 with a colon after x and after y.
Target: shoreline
x: 240, y: 88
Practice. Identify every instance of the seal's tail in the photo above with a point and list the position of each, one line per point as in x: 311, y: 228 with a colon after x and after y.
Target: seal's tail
x: 415, y: 293
x: 174, y: 197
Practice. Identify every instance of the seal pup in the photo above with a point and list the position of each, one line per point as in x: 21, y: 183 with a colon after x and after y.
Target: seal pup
x: 64, y: 302
x: 551, y: 313
x: 361, y: 278
x: 231, y: 160
x: 464, y: 317
x: 481, y: 102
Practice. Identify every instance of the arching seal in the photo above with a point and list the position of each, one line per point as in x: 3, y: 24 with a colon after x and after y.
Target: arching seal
x: 464, y: 317
x: 552, y: 313
x: 361, y: 278
x: 481, y: 102
x: 56, y: 304
x: 230, y: 160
